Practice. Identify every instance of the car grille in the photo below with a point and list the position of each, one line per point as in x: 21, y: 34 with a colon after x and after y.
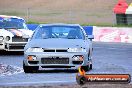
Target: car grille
x: 16, y: 47
x: 55, y: 60
x: 19, y: 39
x: 55, y: 50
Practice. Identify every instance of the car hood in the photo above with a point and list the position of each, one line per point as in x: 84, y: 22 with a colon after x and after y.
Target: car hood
x: 57, y: 43
x: 26, y: 32
x: 15, y: 32
x: 4, y: 33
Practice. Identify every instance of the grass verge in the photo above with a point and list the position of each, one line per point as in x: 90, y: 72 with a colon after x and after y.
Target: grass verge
x: 91, y: 24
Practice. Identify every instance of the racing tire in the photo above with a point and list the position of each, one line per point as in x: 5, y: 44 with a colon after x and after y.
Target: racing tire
x: 30, y: 69
x: 85, y: 68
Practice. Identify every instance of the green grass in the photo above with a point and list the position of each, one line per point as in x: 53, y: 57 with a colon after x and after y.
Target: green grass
x: 97, y: 24
x: 122, y: 25
x: 34, y: 22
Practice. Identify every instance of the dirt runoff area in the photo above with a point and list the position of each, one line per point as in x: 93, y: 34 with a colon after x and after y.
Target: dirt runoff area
x: 74, y: 86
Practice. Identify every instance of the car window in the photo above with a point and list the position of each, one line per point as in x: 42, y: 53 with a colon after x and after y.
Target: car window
x: 67, y: 32
x: 12, y: 24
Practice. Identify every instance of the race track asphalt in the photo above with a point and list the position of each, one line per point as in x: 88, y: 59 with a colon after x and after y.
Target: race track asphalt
x: 107, y: 58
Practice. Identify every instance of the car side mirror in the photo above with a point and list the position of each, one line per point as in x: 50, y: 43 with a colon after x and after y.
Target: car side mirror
x: 90, y: 36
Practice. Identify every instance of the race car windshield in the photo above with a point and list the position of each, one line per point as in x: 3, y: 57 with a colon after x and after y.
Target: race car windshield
x: 5, y: 24
x: 67, y: 32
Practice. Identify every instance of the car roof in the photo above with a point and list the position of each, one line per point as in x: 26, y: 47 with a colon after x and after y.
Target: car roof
x: 60, y: 24
x: 6, y: 16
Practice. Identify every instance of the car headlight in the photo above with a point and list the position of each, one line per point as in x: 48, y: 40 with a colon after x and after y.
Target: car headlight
x: 1, y: 38
x: 76, y: 50
x: 34, y: 50
x: 7, y: 38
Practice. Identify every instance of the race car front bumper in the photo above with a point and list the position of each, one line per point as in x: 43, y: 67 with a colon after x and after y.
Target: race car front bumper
x: 56, y: 60
x: 17, y: 46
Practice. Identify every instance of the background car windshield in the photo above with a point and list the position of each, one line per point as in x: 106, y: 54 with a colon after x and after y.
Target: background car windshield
x: 12, y: 23
x: 67, y: 32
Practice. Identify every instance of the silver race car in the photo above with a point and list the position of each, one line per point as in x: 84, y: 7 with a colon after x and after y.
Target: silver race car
x: 58, y: 46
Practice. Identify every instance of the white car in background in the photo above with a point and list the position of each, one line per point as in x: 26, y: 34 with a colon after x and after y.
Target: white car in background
x: 14, y: 33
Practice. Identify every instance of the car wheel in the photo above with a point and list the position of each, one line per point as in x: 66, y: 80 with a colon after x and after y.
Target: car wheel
x: 85, y: 68
x: 30, y: 69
